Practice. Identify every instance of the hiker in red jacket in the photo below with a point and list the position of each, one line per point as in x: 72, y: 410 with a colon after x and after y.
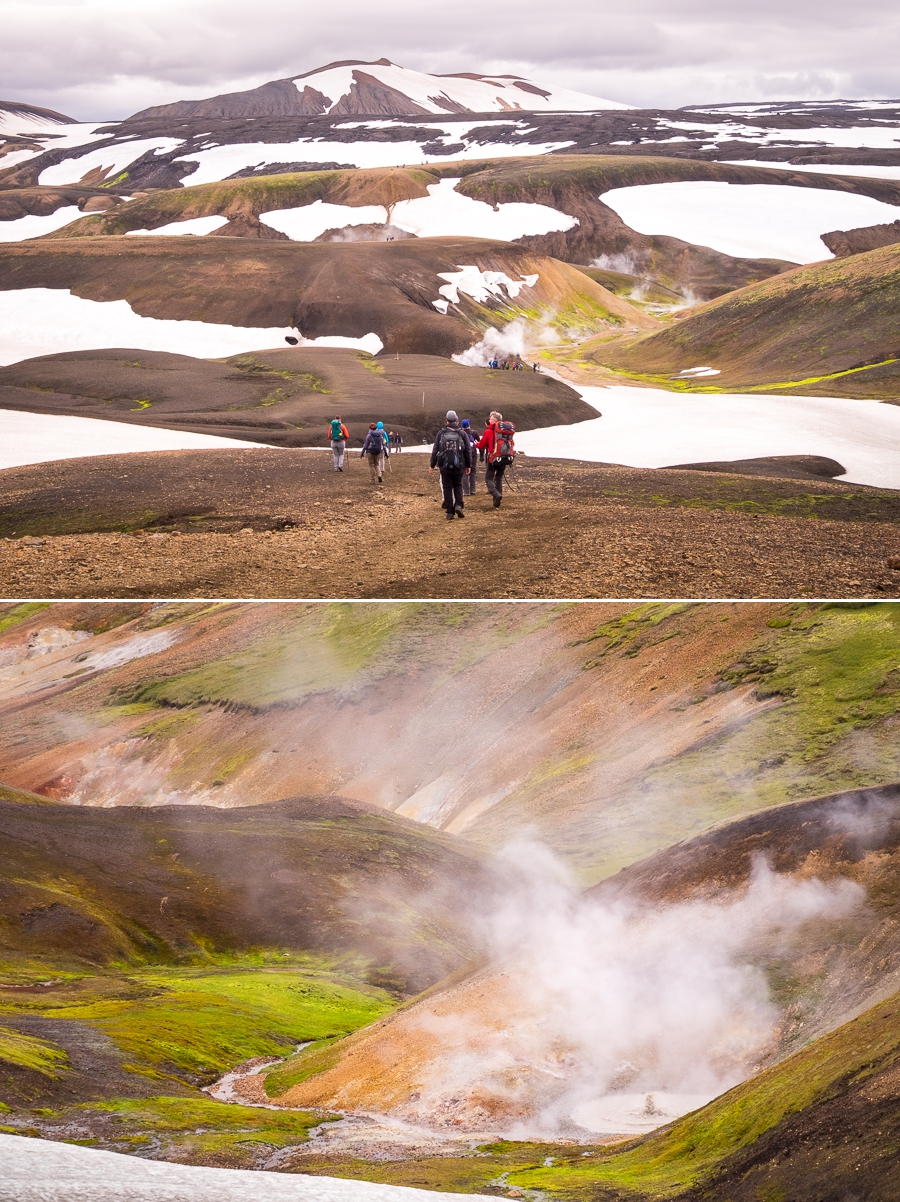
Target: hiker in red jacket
x: 497, y: 443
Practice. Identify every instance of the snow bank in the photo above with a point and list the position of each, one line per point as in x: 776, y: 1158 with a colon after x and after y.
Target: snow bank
x: 36, y: 1170
x: 34, y: 227
x: 114, y: 159
x: 308, y: 222
x: 771, y: 221
x: 481, y: 285
x: 447, y: 213
x: 194, y: 225
x: 822, y: 168
x: 221, y: 161
x: 43, y: 321
x: 44, y: 437
x: 649, y: 427
x: 872, y: 137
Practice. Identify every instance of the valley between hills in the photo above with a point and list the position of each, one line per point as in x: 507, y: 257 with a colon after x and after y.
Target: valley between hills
x: 272, y: 875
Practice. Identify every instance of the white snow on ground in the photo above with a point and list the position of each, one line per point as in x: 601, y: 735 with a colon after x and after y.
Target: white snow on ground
x: 447, y: 213
x: 37, y: 1170
x: 634, y: 1113
x: 221, y: 161
x: 113, y: 158
x: 306, y: 223
x: 33, y: 227
x: 481, y: 285
x: 194, y: 225
x: 18, y: 156
x: 872, y: 137
x: 43, y: 321
x: 369, y: 342
x: 649, y: 427
x: 44, y: 437
x: 13, y: 123
x: 442, y: 213
x: 771, y: 221
x: 820, y: 168
x: 484, y: 95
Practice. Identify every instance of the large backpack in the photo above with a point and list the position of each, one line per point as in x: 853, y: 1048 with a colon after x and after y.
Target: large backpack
x: 336, y: 434
x: 451, y: 453
x: 504, y: 451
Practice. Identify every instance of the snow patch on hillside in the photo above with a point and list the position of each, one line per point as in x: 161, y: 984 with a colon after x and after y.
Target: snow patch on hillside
x: 308, y: 222
x: 44, y: 437
x: 114, y: 159
x: 34, y: 227
x: 194, y: 225
x: 448, y: 213
x: 769, y: 221
x: 42, y: 321
x: 38, y: 1170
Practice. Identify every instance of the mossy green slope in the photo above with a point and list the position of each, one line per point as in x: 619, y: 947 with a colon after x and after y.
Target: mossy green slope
x: 824, y: 329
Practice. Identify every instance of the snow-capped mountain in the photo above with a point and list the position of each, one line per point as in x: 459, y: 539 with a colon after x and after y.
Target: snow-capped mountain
x: 381, y: 88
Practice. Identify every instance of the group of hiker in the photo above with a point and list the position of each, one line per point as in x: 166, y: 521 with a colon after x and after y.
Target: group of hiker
x: 456, y: 453
x: 514, y: 365
x: 378, y: 441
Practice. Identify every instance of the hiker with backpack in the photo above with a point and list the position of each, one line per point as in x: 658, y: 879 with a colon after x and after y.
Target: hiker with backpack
x: 373, y: 450
x: 452, y: 453
x: 498, y: 444
x: 337, y: 432
x: 469, y: 480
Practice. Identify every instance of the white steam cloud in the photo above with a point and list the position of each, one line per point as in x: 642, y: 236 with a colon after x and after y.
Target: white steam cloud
x: 605, y: 1012
x: 515, y: 341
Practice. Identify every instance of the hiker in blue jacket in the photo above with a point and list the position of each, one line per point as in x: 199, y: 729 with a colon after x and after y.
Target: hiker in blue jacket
x: 452, y: 453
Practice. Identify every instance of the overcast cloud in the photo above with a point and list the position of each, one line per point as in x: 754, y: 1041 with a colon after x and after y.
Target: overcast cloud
x: 107, y: 58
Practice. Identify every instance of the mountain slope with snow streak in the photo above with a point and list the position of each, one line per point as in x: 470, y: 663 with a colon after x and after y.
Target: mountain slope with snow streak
x: 381, y: 88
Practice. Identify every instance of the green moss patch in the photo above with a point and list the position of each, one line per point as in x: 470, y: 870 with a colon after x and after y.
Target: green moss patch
x: 39, y: 1055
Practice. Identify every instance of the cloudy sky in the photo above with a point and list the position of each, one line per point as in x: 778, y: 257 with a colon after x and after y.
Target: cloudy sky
x: 107, y: 58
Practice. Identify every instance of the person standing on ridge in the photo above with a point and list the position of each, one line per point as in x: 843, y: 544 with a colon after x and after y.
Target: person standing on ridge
x: 469, y: 480
x: 373, y: 450
x: 452, y: 453
x: 337, y: 432
x: 497, y: 443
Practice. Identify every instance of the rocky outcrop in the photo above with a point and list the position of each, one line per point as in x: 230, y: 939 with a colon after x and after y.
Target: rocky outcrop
x: 842, y: 243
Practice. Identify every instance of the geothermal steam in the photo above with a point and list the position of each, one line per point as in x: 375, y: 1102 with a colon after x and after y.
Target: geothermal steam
x: 604, y: 1011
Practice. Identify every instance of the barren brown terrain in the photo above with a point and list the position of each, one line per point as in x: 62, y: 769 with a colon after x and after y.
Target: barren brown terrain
x: 282, y: 523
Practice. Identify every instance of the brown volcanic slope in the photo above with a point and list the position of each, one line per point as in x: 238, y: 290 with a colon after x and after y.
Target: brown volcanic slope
x: 90, y: 886
x: 615, y: 731
x: 824, y: 329
x: 283, y: 397
x: 281, y: 523
x: 347, y: 289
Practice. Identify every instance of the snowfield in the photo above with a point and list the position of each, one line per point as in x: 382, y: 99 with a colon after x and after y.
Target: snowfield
x: 649, y: 427
x: 443, y: 213
x: 36, y: 1170
x: 44, y: 437
x: 194, y: 225
x: 219, y: 162
x: 752, y: 221
x: 44, y: 321
x: 33, y: 227
x: 448, y: 213
x: 114, y: 160
x: 866, y: 172
x: 481, y: 285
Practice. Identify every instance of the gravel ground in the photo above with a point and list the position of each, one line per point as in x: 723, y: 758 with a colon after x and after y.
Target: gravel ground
x: 249, y: 527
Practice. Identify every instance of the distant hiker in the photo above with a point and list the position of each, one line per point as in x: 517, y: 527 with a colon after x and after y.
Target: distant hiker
x: 337, y: 432
x: 534, y: 367
x: 452, y: 453
x: 373, y: 450
x: 379, y: 426
x: 398, y: 441
x: 497, y: 442
x: 392, y: 441
x: 469, y: 480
